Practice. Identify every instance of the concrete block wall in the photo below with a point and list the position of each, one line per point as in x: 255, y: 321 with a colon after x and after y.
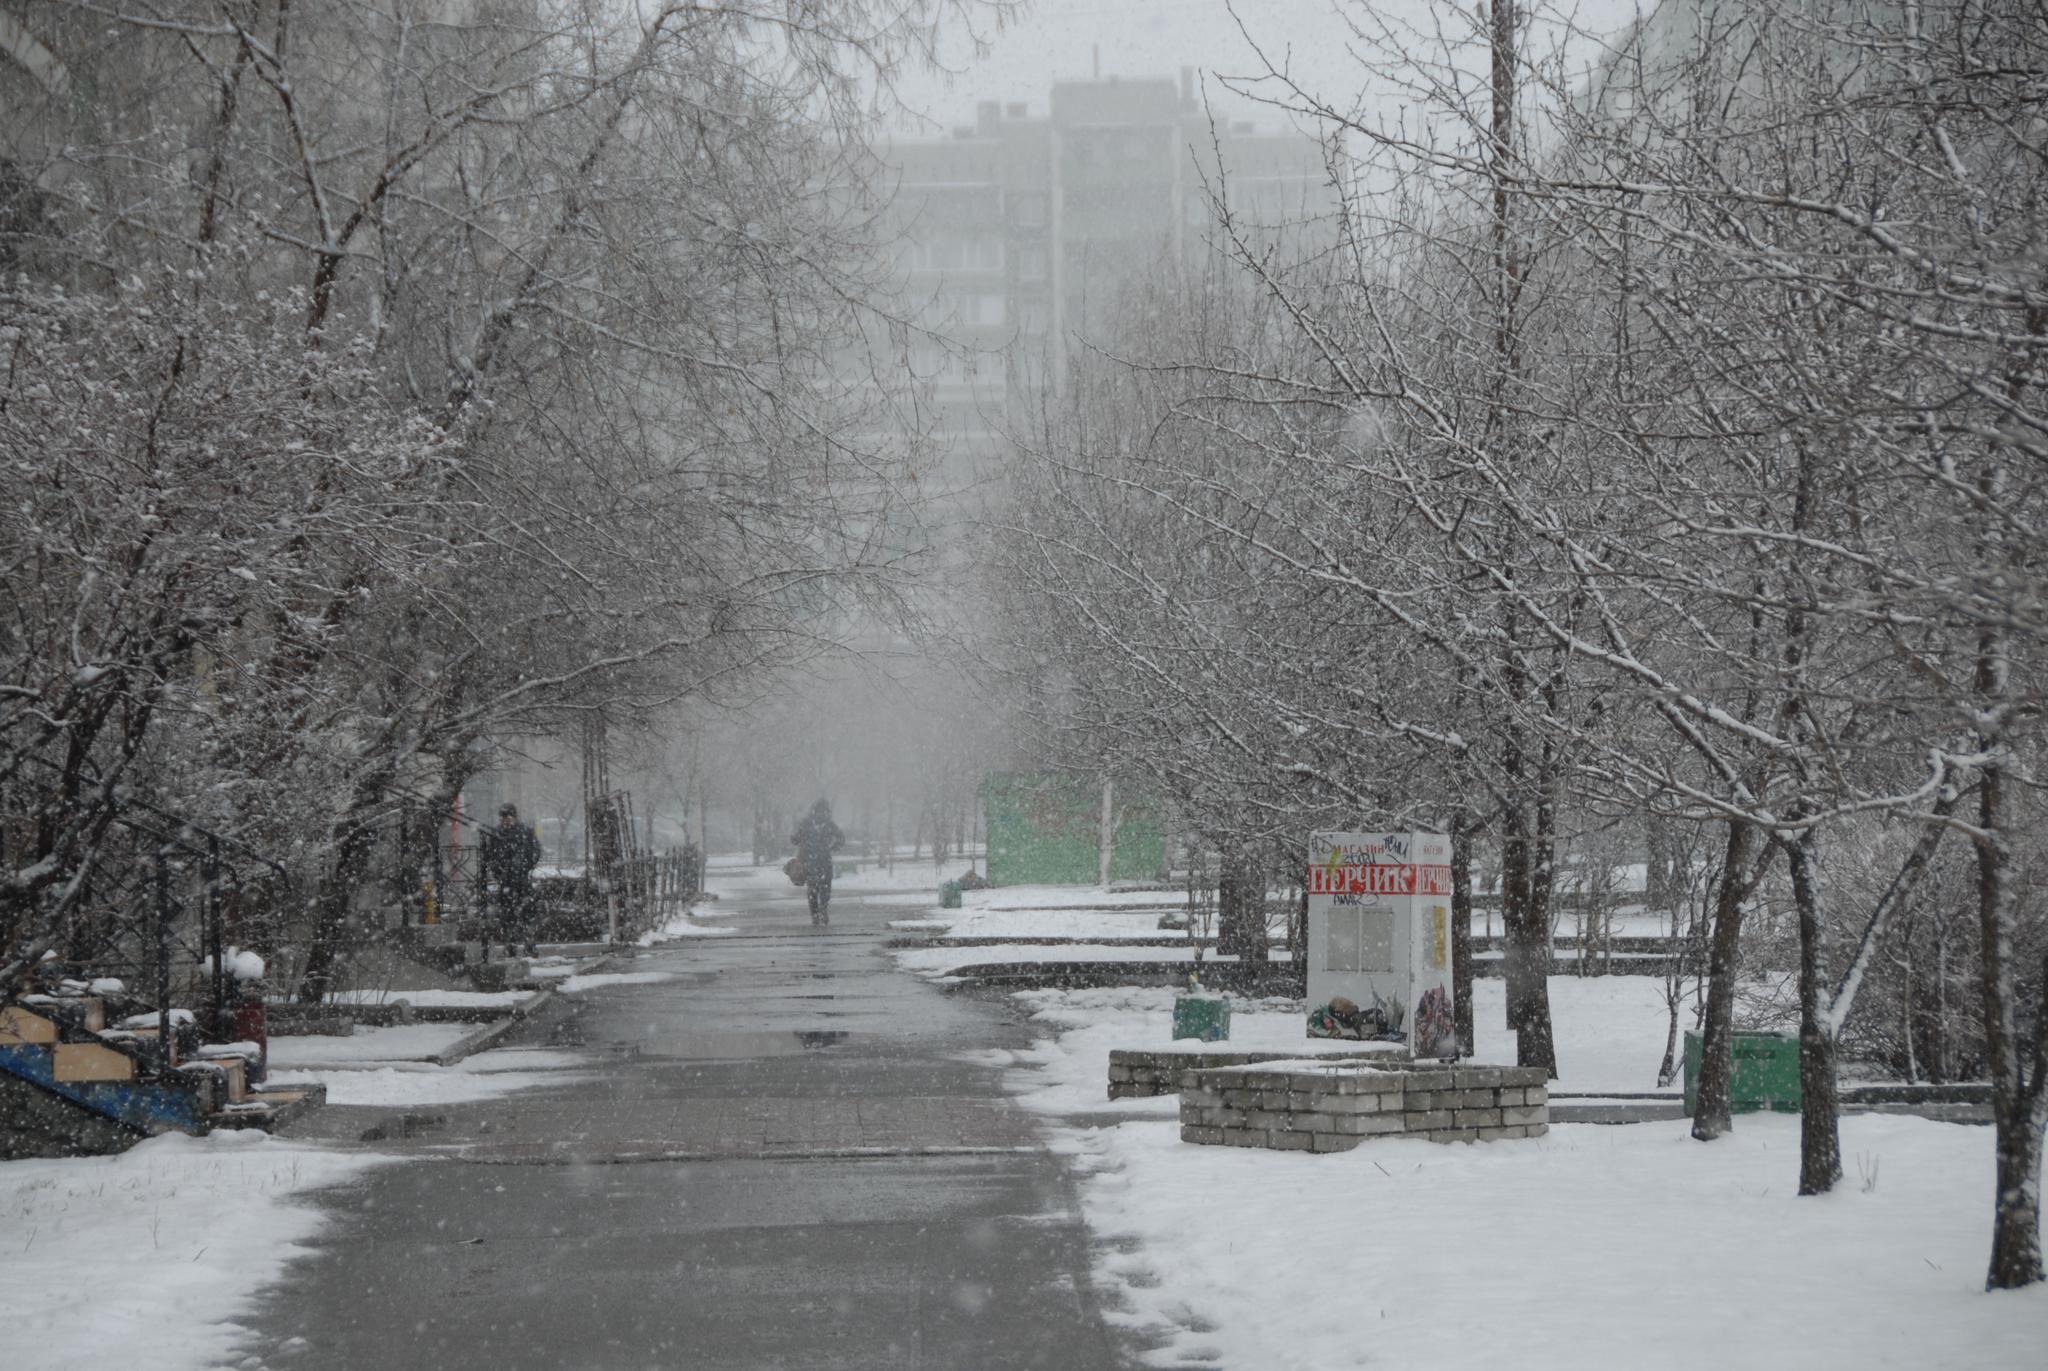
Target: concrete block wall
x: 1298, y: 1106
x: 1135, y: 1074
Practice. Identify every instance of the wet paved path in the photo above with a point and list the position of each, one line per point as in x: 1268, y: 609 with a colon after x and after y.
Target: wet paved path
x: 773, y: 1161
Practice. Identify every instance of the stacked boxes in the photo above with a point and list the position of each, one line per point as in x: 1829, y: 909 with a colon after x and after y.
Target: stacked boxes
x: 1307, y: 1106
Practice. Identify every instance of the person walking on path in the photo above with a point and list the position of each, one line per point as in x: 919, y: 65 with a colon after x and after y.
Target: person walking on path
x: 510, y: 853
x: 816, y: 839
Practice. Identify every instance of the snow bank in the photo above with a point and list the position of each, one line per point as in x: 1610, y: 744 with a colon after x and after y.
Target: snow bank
x: 434, y: 999
x: 400, y: 1086
x: 1594, y: 1247
x: 576, y: 984
x: 1067, y: 1072
x: 939, y: 962
x: 1056, y: 898
x: 368, y: 1046
x: 1629, y: 1246
x: 173, y: 1240
x: 1092, y: 925
x: 685, y: 926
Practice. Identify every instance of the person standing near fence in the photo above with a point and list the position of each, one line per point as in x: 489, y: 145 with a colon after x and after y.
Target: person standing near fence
x: 509, y: 854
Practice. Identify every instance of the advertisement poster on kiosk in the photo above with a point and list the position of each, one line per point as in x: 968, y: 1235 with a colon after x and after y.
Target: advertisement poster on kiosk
x: 1379, y: 940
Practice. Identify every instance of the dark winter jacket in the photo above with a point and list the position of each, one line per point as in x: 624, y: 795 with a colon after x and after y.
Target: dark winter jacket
x: 816, y: 839
x: 510, y: 854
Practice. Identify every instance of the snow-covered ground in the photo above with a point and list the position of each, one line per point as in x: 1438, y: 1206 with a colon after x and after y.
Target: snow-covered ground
x: 687, y: 925
x: 938, y: 963
x: 175, y: 1238
x: 1626, y: 1246
x: 440, y: 999
x: 1053, y: 898
x: 598, y: 980
x: 1610, y: 1038
x: 1100, y: 925
x: 1066, y: 1072
x: 1594, y: 1247
x: 484, y: 1076
x: 148, y: 1258
x: 368, y: 1047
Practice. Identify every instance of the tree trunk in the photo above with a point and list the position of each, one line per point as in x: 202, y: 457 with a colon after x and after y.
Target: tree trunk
x: 1105, y: 852
x: 1710, y: 1117
x: 1241, y: 909
x: 1525, y: 923
x: 1820, y: 1137
x: 2016, y: 1101
x: 331, y: 904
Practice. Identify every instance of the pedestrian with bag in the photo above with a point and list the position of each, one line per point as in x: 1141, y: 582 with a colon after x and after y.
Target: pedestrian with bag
x: 816, y: 839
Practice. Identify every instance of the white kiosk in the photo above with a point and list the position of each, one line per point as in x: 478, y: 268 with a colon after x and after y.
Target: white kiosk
x: 1379, y: 939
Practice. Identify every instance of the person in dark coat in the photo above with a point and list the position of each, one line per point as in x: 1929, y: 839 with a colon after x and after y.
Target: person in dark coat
x: 816, y: 839
x: 510, y: 853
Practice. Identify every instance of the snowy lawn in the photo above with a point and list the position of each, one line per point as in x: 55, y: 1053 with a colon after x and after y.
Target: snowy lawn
x: 939, y: 962
x: 919, y: 879
x: 154, y: 1253
x: 1081, y: 924
x: 575, y: 985
x: 487, y: 1075
x: 366, y: 1047
x: 1071, y: 897
x: 1067, y: 1071
x: 436, y: 999
x: 1625, y: 1247
x: 1610, y: 1032
x: 1593, y: 1247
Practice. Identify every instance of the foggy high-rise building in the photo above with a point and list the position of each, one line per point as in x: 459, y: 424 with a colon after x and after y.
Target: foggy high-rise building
x: 1019, y: 232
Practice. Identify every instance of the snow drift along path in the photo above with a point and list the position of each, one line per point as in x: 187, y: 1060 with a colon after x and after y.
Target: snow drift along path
x: 147, y: 1258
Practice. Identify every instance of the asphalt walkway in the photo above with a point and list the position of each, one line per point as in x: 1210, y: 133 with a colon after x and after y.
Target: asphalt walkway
x: 776, y: 1160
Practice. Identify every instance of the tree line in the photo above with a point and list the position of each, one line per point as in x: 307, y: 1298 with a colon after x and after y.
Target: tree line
x: 1651, y: 443
x: 379, y: 382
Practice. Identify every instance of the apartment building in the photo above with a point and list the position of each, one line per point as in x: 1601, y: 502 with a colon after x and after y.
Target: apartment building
x: 1020, y: 231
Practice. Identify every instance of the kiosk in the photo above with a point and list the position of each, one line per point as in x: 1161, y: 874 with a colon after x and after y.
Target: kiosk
x: 1379, y: 940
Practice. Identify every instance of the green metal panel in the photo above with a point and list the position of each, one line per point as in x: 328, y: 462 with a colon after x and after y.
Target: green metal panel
x: 1045, y: 829
x: 1766, y: 1073
x: 1204, y: 1017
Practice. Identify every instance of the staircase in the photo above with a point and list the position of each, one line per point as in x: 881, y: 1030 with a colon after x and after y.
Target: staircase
x: 69, y: 1077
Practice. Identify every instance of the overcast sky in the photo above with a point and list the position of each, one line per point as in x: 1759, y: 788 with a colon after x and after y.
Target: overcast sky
x: 1057, y: 40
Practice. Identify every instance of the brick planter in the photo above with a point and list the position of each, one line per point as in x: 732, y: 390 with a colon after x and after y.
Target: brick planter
x: 1141, y: 1074
x: 1301, y: 1106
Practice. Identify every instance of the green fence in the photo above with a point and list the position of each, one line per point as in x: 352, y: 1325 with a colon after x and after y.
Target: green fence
x: 1045, y: 829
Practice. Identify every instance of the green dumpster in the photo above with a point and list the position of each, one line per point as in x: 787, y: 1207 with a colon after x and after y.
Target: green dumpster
x: 1765, y: 1076
x: 949, y: 895
x: 1206, y: 1017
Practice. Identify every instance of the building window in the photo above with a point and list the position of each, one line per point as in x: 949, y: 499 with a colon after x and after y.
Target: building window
x: 982, y: 310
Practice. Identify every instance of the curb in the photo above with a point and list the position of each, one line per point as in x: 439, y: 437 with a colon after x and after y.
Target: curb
x: 488, y: 1035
